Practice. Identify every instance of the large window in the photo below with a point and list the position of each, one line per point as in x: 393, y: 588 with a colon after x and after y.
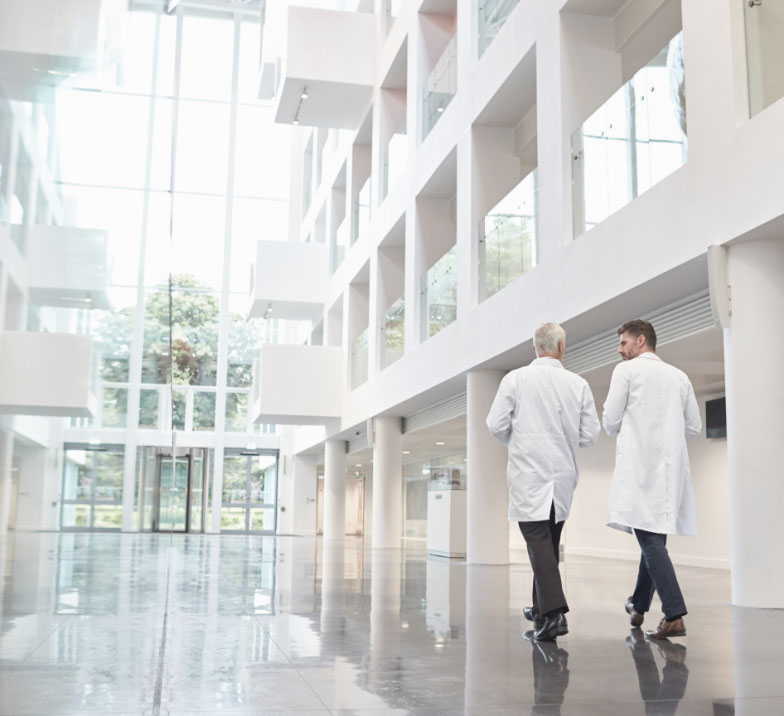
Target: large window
x: 177, y: 173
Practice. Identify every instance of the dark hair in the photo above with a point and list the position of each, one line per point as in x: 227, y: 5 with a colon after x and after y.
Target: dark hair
x: 639, y: 327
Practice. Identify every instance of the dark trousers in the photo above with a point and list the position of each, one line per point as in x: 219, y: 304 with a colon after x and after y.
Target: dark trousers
x: 656, y: 574
x: 542, y: 539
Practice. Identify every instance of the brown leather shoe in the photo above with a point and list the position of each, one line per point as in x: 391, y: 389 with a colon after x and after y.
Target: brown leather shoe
x: 636, y: 617
x: 667, y: 629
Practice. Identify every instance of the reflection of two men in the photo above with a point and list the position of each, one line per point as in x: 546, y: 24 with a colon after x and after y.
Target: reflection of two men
x: 661, y: 692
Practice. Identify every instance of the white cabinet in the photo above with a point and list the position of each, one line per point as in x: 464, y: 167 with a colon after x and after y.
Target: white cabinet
x: 446, y: 523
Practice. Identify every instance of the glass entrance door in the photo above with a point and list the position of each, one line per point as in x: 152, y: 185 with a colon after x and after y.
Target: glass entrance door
x: 250, y: 481
x: 172, y: 513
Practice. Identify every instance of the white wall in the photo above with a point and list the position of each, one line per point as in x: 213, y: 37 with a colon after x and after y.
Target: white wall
x: 586, y: 531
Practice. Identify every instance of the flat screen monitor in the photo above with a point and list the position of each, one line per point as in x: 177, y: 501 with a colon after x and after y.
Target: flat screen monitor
x: 716, y: 418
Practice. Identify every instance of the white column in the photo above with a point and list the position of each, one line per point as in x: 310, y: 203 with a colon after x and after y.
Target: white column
x: 753, y: 346
x: 487, y: 531
x: 334, y: 489
x: 6, y: 460
x: 387, y: 482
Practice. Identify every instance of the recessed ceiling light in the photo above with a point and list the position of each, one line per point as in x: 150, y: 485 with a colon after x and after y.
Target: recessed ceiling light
x: 359, y: 464
x: 406, y: 452
x: 440, y: 442
x: 304, y: 94
x: 295, y: 121
x: 440, y: 109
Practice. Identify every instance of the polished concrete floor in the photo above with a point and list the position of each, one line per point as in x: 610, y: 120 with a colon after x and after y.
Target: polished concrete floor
x: 159, y: 624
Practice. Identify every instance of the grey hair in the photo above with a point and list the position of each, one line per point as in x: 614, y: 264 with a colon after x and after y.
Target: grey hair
x: 547, y: 337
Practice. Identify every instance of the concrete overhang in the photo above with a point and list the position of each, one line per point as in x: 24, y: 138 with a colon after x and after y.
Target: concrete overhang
x: 290, y: 280
x: 331, y: 59
x: 298, y: 385
x: 42, y: 42
x: 46, y: 374
x: 68, y: 267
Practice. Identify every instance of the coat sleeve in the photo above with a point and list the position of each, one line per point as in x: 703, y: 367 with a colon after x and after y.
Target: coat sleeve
x: 691, y: 413
x: 615, y: 405
x: 589, y: 420
x: 499, y: 419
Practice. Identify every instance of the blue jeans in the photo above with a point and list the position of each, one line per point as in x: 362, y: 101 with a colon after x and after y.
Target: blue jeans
x: 657, y: 574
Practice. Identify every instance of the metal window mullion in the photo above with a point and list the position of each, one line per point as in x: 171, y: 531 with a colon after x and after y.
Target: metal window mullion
x: 137, y: 338
x: 223, y: 325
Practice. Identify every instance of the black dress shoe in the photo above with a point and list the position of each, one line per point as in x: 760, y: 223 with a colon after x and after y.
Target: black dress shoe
x: 552, y: 628
x: 530, y: 614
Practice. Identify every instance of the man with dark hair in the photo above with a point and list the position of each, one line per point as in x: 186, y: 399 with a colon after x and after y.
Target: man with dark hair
x: 652, y: 409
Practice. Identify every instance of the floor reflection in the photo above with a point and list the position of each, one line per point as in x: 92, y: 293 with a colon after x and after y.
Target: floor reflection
x: 660, y: 694
x: 207, y: 624
x: 551, y: 677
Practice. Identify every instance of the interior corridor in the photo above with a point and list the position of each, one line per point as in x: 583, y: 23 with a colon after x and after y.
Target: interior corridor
x: 200, y: 624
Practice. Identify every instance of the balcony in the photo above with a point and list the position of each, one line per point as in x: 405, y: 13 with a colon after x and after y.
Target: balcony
x: 439, y: 295
x: 68, y: 267
x: 46, y: 374
x: 317, y: 373
x: 633, y: 141
x: 36, y: 54
x: 329, y: 68
x: 440, y: 87
x: 290, y: 280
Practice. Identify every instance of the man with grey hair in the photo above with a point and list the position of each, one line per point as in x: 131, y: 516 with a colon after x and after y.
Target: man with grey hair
x: 543, y: 413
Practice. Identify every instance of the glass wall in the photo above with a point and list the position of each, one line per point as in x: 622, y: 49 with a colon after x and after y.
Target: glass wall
x: 633, y: 141
x: 92, y: 487
x: 250, y: 483
x: 417, y: 478
x: 160, y: 172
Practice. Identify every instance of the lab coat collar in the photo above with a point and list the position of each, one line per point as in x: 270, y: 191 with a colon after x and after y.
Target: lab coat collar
x: 552, y: 362
x: 649, y: 355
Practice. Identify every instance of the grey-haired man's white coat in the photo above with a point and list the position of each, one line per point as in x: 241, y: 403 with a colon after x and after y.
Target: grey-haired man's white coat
x: 543, y: 413
x: 652, y: 409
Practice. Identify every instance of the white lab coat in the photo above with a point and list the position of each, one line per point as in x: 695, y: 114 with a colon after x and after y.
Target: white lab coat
x: 542, y: 413
x: 652, y: 409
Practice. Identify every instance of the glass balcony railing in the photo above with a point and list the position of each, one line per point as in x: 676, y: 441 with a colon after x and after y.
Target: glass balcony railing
x: 440, y: 87
x: 492, y: 16
x: 339, y: 245
x: 393, y: 333
x: 359, y: 360
x: 362, y: 209
x: 764, y: 25
x: 395, y: 159
x: 633, y: 141
x: 439, y: 295
x: 507, y: 238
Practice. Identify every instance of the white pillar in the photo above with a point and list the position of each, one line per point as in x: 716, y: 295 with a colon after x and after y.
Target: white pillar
x: 334, y: 489
x: 387, y: 482
x: 487, y: 531
x: 753, y: 346
x: 6, y: 461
